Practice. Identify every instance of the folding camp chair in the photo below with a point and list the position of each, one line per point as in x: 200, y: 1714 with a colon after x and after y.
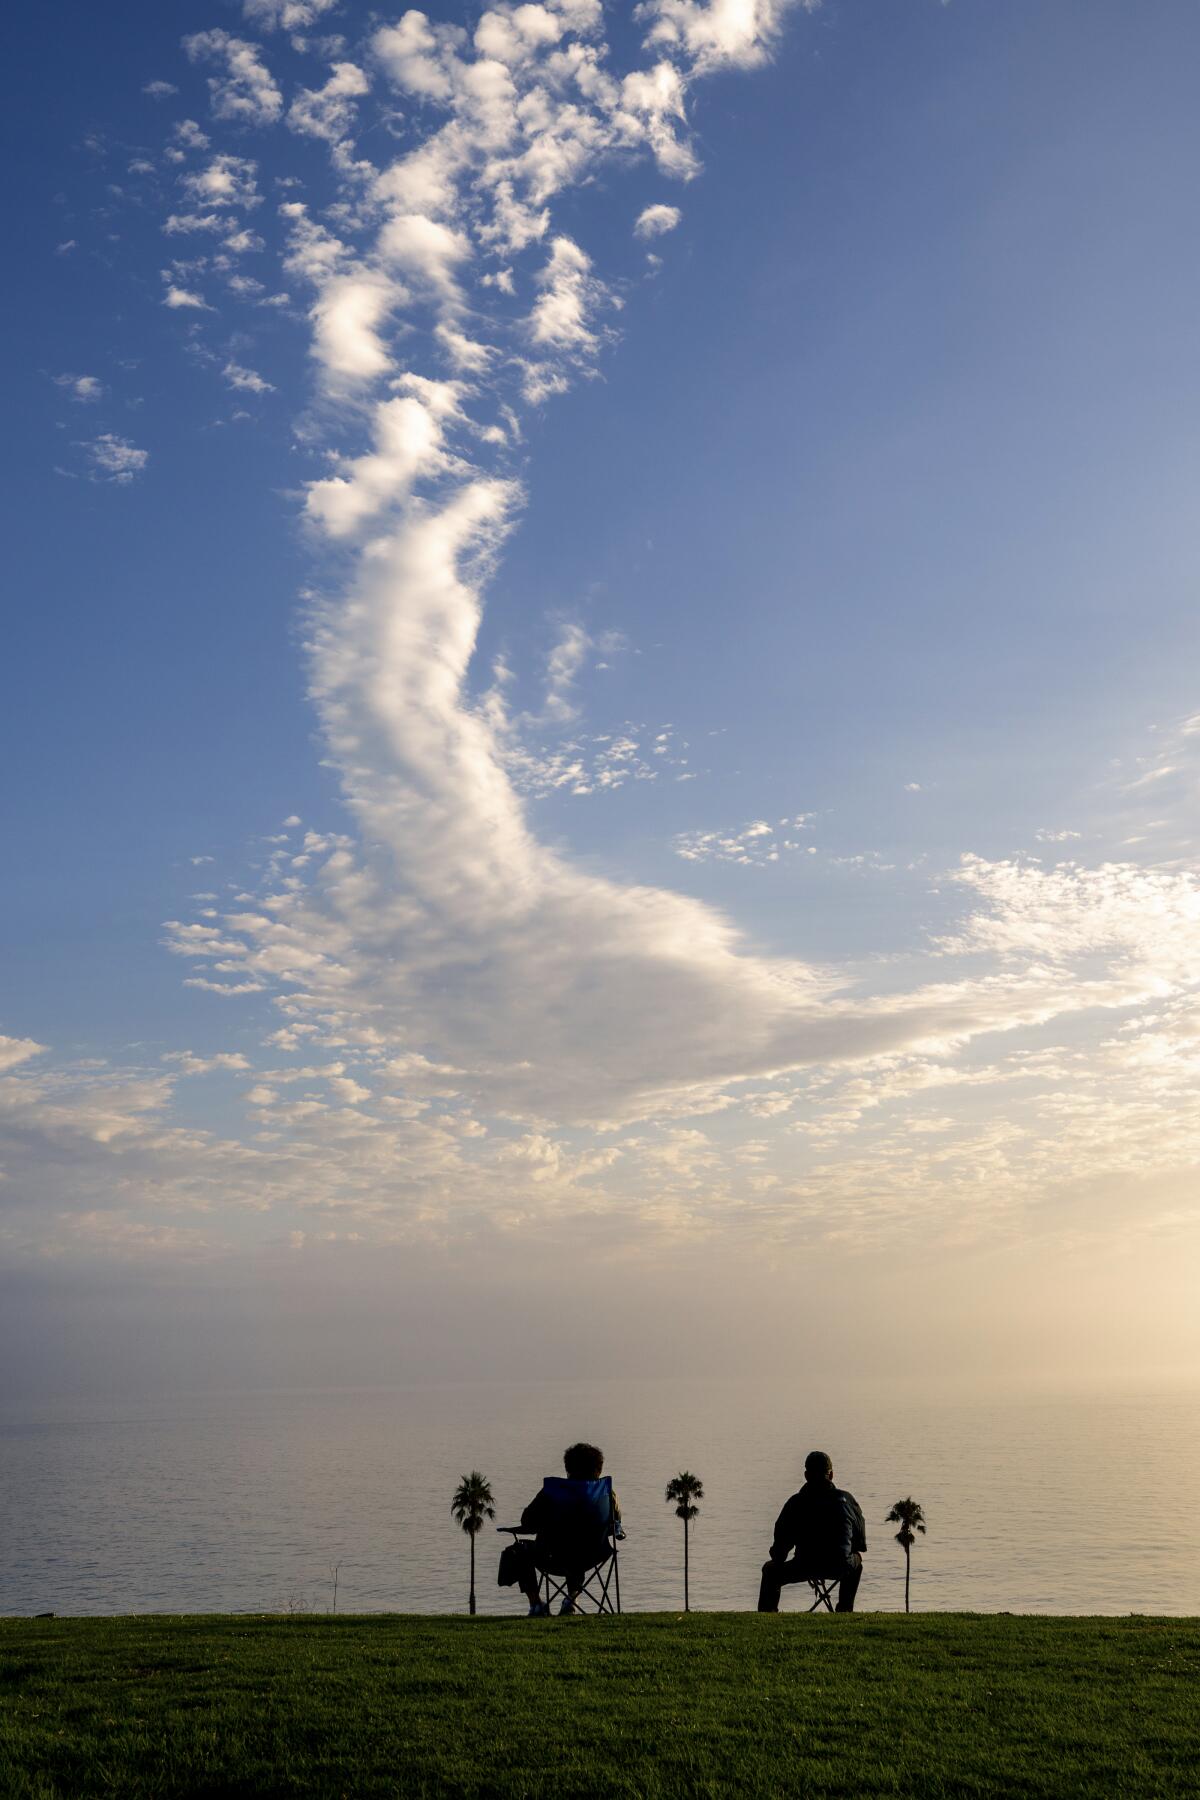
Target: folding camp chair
x: 583, y: 1511
x: 823, y: 1587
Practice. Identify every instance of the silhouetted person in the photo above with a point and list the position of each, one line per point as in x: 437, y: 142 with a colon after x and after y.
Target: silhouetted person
x: 570, y: 1540
x: 824, y: 1527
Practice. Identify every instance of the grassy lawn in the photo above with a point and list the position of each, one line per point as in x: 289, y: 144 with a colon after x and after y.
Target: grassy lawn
x: 717, y: 1703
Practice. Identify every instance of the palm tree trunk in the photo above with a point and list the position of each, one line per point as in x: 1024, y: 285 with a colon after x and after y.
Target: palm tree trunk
x: 472, y: 1574
x: 686, y: 1597
x: 907, y: 1573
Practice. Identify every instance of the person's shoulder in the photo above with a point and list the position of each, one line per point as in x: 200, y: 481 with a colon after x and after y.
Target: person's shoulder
x: 848, y: 1499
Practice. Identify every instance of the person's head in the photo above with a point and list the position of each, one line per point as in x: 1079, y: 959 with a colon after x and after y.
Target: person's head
x: 583, y: 1462
x: 817, y: 1466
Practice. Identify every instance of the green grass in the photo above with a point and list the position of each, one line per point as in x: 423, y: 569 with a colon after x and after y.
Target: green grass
x: 652, y: 1705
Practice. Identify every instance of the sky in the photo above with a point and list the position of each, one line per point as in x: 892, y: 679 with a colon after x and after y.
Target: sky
x: 600, y: 722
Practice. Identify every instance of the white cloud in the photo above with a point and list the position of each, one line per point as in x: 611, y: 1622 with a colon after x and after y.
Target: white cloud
x: 190, y: 1064
x: 245, y: 93
x: 466, y: 355
x: 14, y: 1051
x: 290, y: 15
x: 654, y: 221
x: 227, y: 181
x: 115, y: 459
x: 425, y: 250
x: 569, y: 295
x: 160, y: 90
x: 86, y: 389
x: 760, y: 842
x: 227, y: 990
x: 183, y: 224
x: 242, y: 243
x: 188, y: 135
x: 409, y: 434
x: 178, y: 297
x: 353, y: 302
x: 329, y: 112
x: 246, y: 379
x: 740, y: 33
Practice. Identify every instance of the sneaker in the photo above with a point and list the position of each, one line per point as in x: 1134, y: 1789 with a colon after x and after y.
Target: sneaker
x: 539, y: 1610
x: 568, y: 1606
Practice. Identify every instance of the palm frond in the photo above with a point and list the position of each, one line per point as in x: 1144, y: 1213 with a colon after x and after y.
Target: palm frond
x: 907, y: 1513
x: 684, y: 1487
x: 473, y: 1502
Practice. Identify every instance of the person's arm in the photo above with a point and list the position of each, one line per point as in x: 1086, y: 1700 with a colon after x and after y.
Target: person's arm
x: 531, y: 1518
x: 785, y: 1534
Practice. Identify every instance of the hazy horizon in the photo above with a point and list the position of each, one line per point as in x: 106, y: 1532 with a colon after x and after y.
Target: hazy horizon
x: 601, y: 723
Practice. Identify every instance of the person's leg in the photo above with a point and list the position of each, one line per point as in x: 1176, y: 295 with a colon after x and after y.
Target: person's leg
x: 775, y: 1576
x: 848, y: 1585
x: 574, y: 1579
x: 529, y: 1577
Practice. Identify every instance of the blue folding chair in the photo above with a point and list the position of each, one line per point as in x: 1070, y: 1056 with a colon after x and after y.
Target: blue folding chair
x: 579, y: 1539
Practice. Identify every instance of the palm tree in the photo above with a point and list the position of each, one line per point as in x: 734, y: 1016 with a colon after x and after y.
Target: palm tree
x: 685, y: 1489
x: 909, y: 1517
x: 471, y: 1505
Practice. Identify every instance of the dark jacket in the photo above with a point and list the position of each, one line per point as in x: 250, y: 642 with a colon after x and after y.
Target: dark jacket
x: 825, y: 1527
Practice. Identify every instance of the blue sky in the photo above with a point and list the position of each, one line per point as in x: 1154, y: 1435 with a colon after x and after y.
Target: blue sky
x: 836, y: 532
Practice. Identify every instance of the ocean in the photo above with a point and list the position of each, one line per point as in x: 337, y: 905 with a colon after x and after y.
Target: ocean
x: 265, y: 1501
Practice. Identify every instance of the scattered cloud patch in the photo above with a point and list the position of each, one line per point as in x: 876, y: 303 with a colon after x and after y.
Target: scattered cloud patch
x: 180, y: 298
x: 188, y: 136
x: 247, y: 380
x: 14, y: 1051
x: 85, y: 389
x: 244, y: 92
x: 761, y: 842
x: 286, y: 15
x: 329, y: 112
x: 654, y: 221
x: 115, y: 459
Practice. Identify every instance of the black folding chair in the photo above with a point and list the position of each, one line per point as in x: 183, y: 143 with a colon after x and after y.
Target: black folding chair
x: 824, y: 1587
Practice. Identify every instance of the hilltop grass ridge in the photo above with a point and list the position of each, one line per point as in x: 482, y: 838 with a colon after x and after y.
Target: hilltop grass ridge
x: 643, y: 1705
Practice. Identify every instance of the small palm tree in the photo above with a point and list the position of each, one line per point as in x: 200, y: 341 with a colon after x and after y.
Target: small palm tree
x: 471, y: 1505
x: 909, y: 1517
x: 685, y: 1489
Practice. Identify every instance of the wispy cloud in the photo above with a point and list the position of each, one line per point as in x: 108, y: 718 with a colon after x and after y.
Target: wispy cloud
x: 655, y: 221
x: 115, y: 459
x: 85, y: 389
x: 248, y: 381
x: 759, y: 842
x: 244, y: 91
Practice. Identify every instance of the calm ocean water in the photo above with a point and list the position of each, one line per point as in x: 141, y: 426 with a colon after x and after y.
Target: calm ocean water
x: 223, y: 1504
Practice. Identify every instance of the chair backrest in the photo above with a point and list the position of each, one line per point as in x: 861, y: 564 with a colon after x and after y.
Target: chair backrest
x: 580, y: 1514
